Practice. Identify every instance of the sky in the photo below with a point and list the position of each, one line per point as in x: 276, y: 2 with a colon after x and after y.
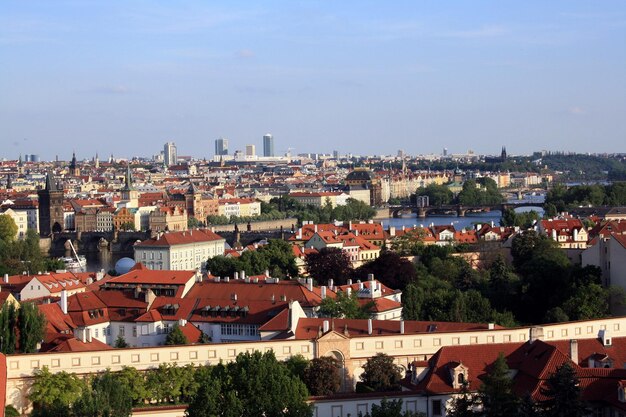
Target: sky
x: 124, y: 77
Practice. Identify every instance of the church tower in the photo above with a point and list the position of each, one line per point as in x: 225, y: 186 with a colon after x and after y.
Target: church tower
x: 192, y: 201
x: 50, y: 207
x: 129, y: 193
x: 74, y: 170
x: 503, y: 154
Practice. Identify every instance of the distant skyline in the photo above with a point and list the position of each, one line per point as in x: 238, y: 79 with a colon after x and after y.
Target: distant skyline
x: 125, y: 77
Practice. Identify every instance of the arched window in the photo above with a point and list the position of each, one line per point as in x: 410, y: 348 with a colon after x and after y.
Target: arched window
x: 461, y: 379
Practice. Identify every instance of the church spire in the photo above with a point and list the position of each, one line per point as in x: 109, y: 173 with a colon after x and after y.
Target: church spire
x: 128, y: 186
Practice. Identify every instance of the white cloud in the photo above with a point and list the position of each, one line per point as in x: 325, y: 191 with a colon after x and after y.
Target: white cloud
x: 576, y: 110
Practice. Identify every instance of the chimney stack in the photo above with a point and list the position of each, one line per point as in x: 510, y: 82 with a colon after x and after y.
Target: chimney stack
x: 309, y: 284
x: 6, y: 278
x: 349, y: 291
x: 326, y: 326
x: 536, y: 333
x: 323, y: 292
x: 331, y: 284
x: 573, y: 350
x: 349, y: 281
x: 370, y: 277
x: 63, y: 302
x: 401, y: 326
x: 369, y: 326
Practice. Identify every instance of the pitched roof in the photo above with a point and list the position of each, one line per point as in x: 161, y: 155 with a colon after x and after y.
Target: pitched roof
x: 182, y: 238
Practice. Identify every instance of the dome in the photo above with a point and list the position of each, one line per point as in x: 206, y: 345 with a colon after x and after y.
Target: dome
x: 359, y: 175
x: 124, y: 265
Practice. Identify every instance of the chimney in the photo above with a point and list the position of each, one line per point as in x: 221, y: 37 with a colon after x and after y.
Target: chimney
x: 350, y: 225
x: 323, y: 292
x: 315, y: 228
x: 325, y: 327
x: 392, y: 231
x: 401, y: 326
x: 242, y: 274
x: 6, y: 278
x: 137, y: 291
x: 360, y: 285
x: 267, y: 272
x: 235, y: 276
x: 554, y: 234
x: 370, y: 277
x: 331, y: 285
x: 369, y: 326
x: 491, y: 326
x: 227, y: 279
x: 246, y: 279
x: 349, y: 291
x: 217, y: 279
x: 349, y: 281
x: 182, y: 322
x: 536, y: 333
x: 99, y: 275
x: 63, y: 302
x: 573, y: 350
x: 309, y: 284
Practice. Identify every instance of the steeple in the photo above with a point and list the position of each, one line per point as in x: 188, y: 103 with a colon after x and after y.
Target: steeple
x: 128, y: 186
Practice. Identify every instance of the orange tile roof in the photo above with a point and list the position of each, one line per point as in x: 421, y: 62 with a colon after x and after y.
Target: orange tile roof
x: 182, y: 238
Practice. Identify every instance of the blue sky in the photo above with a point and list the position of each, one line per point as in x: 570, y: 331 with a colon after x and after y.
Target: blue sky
x: 124, y: 77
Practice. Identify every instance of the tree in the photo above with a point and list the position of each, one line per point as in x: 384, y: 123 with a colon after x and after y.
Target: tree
x: 322, y: 376
x: 8, y: 325
x: 346, y: 306
x: 297, y: 365
x: 8, y: 228
x: 381, y: 374
x: 120, y: 342
x: 390, y: 269
x: 563, y: 394
x: 105, y: 398
x: 214, y: 397
x: 176, y: 337
x: 464, y: 404
x: 32, y: 323
x: 53, y: 390
x: 391, y: 408
x: 10, y: 411
x: 280, y: 257
x: 329, y: 263
x: 496, y: 393
x: 249, y: 376
x: 134, y: 382
x: 588, y: 302
x: 438, y: 195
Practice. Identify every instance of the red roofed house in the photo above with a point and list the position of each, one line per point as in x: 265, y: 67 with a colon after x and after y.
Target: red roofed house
x: 531, y: 363
x: 180, y: 250
x: 51, y: 284
x: 569, y: 233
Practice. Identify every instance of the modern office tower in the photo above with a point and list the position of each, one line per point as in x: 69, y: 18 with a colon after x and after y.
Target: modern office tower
x: 268, y: 145
x: 170, y: 156
x: 250, y: 150
x: 445, y: 151
x: 336, y: 154
x: 221, y: 146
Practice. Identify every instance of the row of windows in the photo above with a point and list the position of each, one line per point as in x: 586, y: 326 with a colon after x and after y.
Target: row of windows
x: 239, y: 330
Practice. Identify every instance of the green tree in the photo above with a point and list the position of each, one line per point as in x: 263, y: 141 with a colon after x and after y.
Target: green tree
x: 32, y: 323
x: 176, y: 337
x: 297, y: 364
x: 563, y: 394
x: 105, y: 398
x: 8, y: 325
x: 250, y: 374
x: 134, y: 382
x: 8, y: 228
x: 438, y: 195
x: 496, y: 393
x: 346, y: 306
x: 391, y: 408
x: 329, y: 263
x: 214, y: 397
x: 51, y: 390
x: 390, y: 269
x: 120, y: 342
x: 222, y: 266
x: 464, y: 404
x: 322, y: 376
x: 381, y: 374
x: 10, y: 411
x: 280, y: 257
x: 588, y: 302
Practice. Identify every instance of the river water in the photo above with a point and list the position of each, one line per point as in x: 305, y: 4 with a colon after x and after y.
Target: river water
x: 106, y: 260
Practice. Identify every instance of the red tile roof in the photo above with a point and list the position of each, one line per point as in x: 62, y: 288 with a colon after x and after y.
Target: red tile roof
x: 182, y: 238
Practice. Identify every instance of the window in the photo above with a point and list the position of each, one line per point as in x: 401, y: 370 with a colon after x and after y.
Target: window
x: 436, y: 406
x: 122, y: 331
x: 461, y: 379
x: 134, y: 331
x: 95, y: 331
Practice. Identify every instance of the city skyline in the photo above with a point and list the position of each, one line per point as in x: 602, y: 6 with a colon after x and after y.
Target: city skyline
x: 123, y: 78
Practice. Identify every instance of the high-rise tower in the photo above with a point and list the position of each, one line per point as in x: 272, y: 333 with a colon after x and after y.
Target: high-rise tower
x: 170, y: 157
x: 268, y: 145
x: 221, y: 146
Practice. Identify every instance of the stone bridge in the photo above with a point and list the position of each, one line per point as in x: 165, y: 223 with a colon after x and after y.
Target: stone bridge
x: 89, y: 242
x: 459, y: 209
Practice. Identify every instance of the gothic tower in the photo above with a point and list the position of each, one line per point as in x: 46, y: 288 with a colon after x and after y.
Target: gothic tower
x: 50, y: 207
x: 74, y: 170
x: 128, y: 192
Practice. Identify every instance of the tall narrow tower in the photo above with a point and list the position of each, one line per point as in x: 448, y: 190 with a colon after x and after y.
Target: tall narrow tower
x: 129, y: 193
x: 50, y: 207
x: 170, y: 157
x: 268, y: 145
x: 221, y: 146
